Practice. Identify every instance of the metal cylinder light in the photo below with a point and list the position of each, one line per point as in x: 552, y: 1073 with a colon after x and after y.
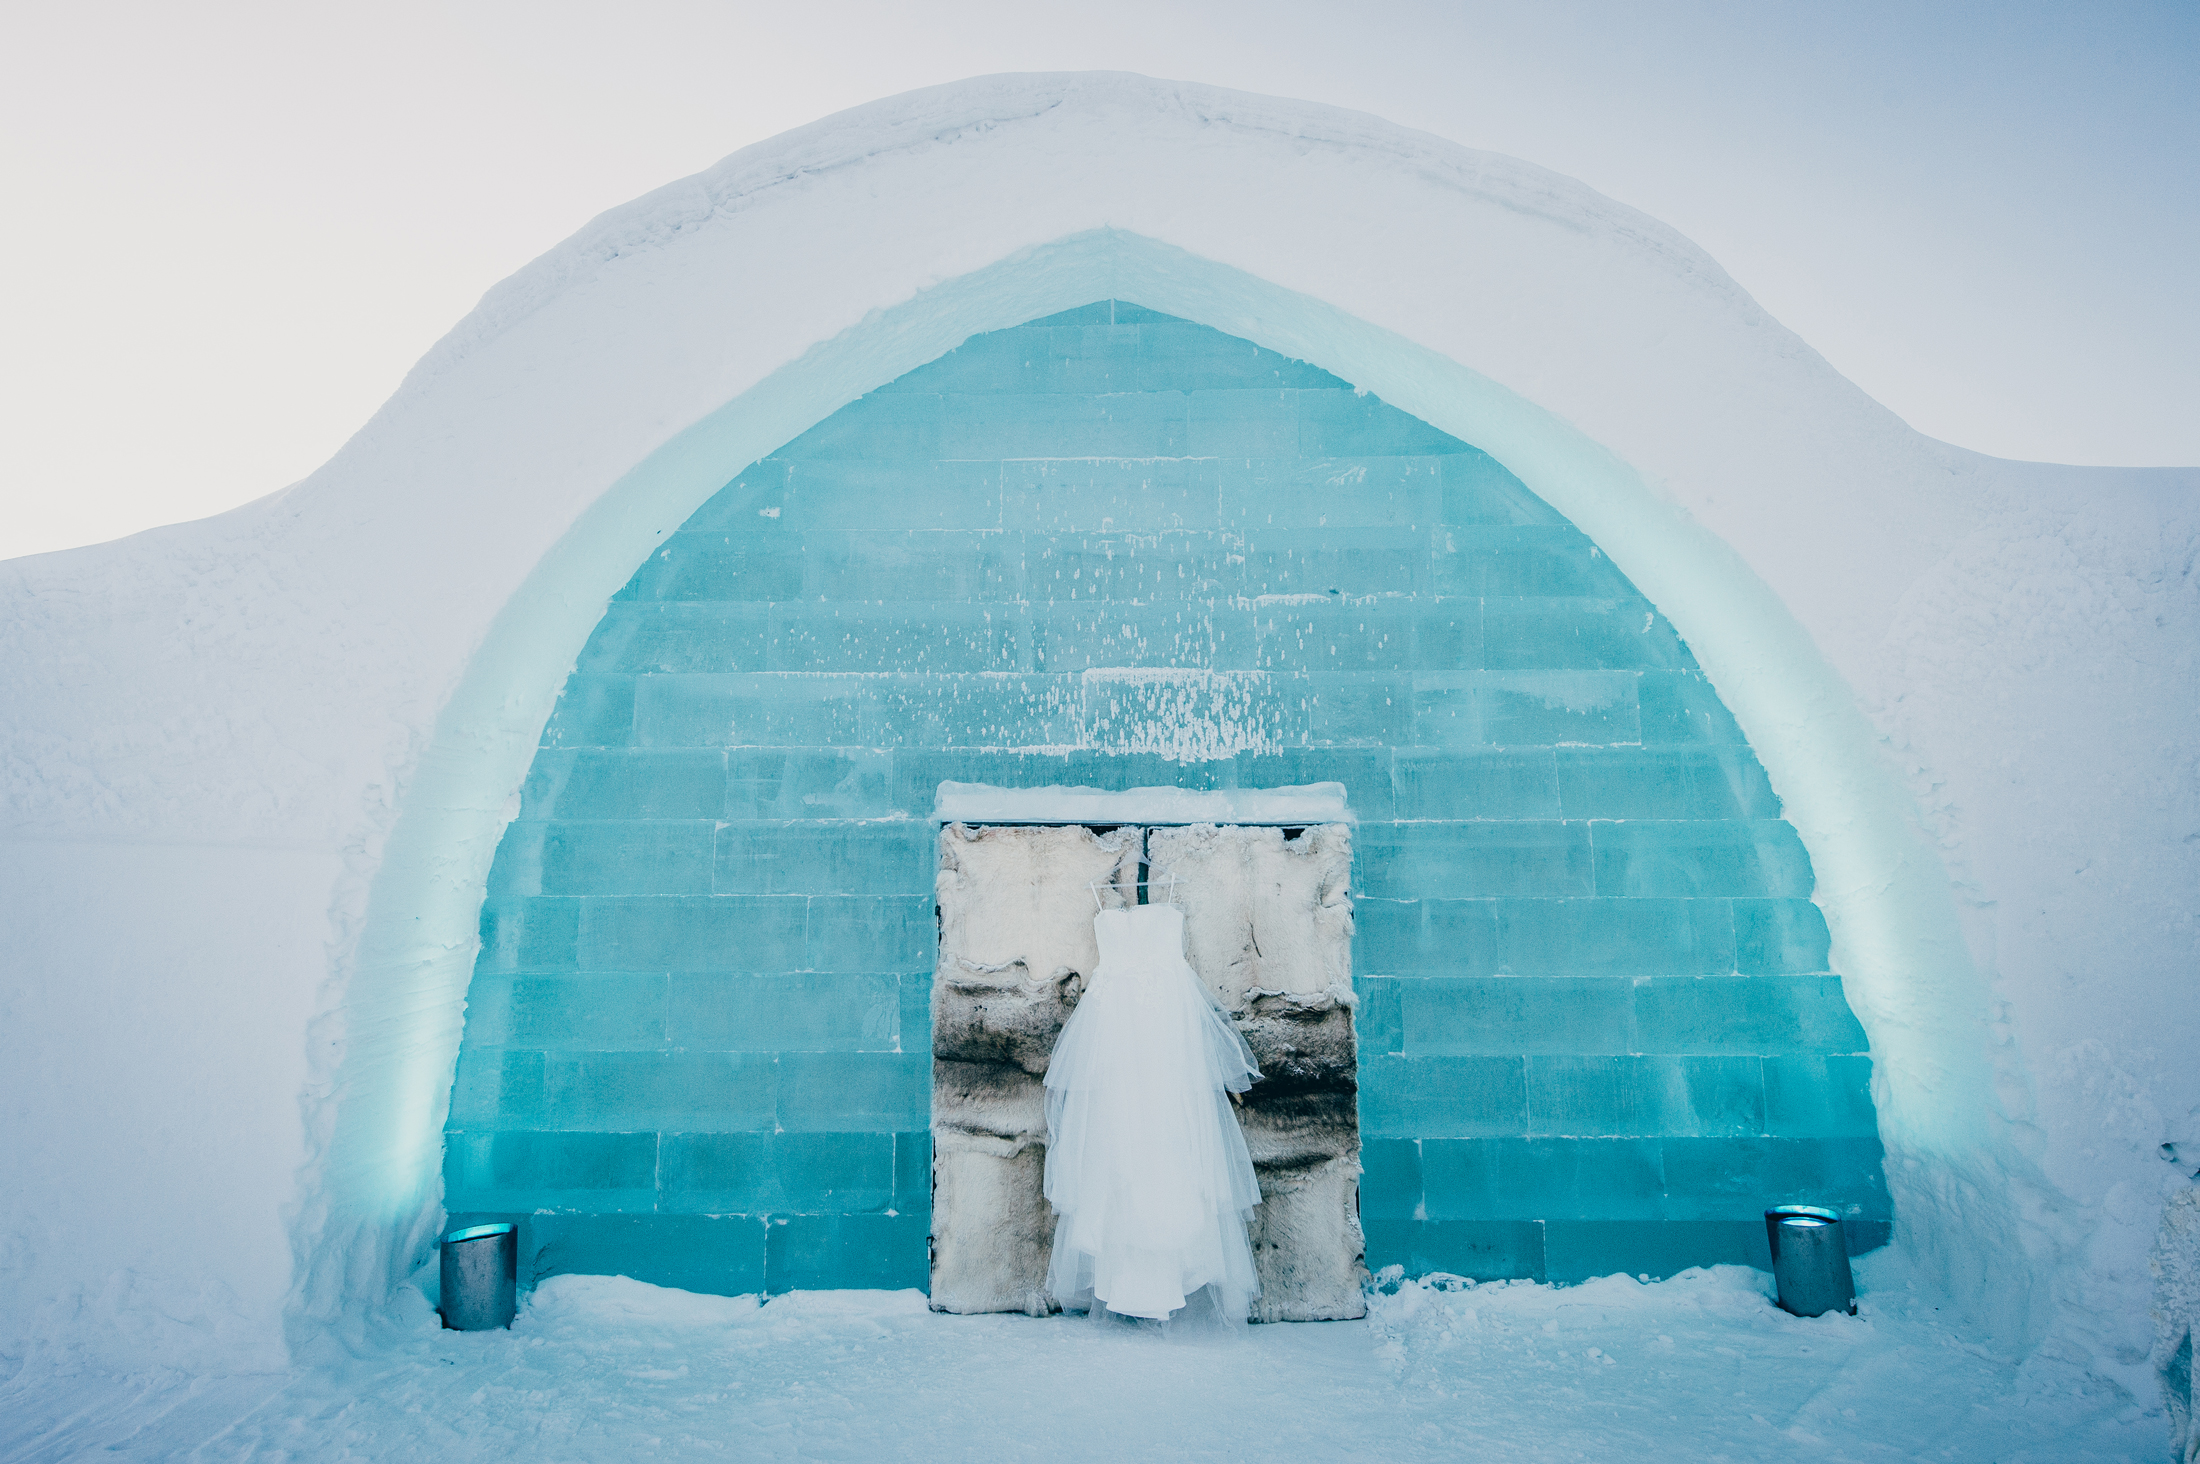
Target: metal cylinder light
x: 1810, y: 1260
x: 480, y: 1277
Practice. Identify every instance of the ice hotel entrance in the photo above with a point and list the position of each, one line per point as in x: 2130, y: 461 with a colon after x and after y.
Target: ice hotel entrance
x: 1267, y: 926
x: 1591, y: 1014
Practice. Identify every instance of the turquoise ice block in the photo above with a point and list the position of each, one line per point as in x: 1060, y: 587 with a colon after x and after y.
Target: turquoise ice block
x: 1596, y: 1015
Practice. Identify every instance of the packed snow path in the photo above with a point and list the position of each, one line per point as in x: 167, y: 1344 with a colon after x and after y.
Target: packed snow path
x: 1700, y: 1368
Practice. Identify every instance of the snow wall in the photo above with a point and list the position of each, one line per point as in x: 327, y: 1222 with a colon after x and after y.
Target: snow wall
x: 256, y: 767
x: 1113, y: 549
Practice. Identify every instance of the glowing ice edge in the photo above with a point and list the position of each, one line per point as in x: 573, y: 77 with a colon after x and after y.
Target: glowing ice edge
x: 1309, y: 803
x: 1896, y: 940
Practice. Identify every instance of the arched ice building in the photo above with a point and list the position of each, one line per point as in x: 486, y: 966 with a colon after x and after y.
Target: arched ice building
x: 529, y: 812
x: 1597, y: 1026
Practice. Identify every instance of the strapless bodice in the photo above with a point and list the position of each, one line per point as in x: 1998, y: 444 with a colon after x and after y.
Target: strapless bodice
x: 1141, y: 937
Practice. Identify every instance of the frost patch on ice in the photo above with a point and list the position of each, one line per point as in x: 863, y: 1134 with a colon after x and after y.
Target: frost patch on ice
x: 1571, y: 691
x: 1184, y: 715
x: 983, y: 803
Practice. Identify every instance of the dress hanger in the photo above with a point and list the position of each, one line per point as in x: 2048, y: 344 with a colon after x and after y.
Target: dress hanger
x: 1171, y: 884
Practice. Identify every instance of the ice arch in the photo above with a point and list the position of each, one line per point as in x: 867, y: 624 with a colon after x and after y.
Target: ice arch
x: 1115, y: 549
x: 1600, y: 359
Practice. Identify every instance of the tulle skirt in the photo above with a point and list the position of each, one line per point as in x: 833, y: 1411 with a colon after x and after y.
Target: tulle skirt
x: 1146, y: 1165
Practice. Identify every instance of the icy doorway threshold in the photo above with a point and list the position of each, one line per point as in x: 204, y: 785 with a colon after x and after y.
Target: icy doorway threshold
x: 1698, y: 1368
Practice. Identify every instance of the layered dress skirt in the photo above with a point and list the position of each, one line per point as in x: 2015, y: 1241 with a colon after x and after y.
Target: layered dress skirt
x: 1146, y: 1165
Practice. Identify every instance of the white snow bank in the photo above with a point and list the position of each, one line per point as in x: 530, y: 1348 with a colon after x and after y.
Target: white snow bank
x: 252, y: 770
x: 1310, y: 803
x: 583, y: 1304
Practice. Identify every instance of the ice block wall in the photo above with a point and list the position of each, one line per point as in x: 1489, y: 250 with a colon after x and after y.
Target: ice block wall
x: 1596, y: 1027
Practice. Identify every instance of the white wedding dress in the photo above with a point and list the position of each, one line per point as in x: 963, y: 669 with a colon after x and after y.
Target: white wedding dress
x: 1146, y: 1165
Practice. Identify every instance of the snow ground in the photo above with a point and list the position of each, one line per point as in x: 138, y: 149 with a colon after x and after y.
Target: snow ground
x: 1699, y: 1368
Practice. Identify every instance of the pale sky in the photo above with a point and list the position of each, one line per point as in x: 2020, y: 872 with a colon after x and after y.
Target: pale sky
x: 233, y: 227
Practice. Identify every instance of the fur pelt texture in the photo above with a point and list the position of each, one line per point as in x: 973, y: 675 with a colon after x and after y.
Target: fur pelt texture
x: 1016, y: 944
x: 1268, y: 927
x: 1262, y: 912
